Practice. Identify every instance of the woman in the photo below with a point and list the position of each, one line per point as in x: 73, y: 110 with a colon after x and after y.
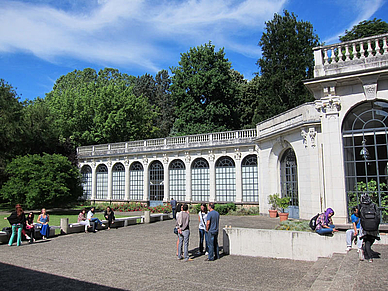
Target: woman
x: 109, y: 215
x: 325, y: 223
x: 83, y: 220
x: 43, y: 221
x: 202, y: 228
x: 30, y: 227
x: 178, y: 212
x: 17, y: 220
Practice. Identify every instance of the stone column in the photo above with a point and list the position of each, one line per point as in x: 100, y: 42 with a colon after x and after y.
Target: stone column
x: 110, y: 178
x: 127, y: 179
x: 237, y: 160
x: 188, y: 177
x: 94, y: 181
x: 166, y: 178
x: 146, y: 179
x: 212, y: 173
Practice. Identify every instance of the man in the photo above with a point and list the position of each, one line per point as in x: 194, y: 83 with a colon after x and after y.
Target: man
x: 184, y: 233
x: 355, y: 231
x: 94, y: 220
x: 212, y: 227
x: 173, y: 206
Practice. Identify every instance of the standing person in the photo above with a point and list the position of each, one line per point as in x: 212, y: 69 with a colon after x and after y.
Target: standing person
x: 212, y: 227
x: 30, y: 226
x: 109, y: 215
x: 325, y: 222
x: 202, y: 217
x: 184, y: 233
x: 178, y: 213
x: 173, y: 207
x: 17, y: 220
x: 355, y: 231
x: 82, y: 219
x: 94, y: 221
x: 370, y: 220
x: 43, y: 221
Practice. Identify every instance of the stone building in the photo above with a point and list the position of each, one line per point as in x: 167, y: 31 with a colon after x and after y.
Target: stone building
x: 320, y: 154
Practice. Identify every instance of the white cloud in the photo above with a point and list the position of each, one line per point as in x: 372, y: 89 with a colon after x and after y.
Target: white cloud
x: 127, y: 33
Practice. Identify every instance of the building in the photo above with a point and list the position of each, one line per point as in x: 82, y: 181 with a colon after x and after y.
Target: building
x: 320, y: 154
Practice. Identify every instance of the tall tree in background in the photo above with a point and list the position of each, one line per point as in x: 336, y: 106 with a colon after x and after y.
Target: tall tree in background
x: 203, y: 91
x: 364, y: 29
x: 91, y: 108
x: 287, y: 59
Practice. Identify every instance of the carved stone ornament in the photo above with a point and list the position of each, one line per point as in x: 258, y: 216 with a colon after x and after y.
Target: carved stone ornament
x: 93, y: 164
x: 312, y: 135
x: 237, y: 155
x: 187, y: 157
x: 211, y: 156
x: 328, y: 105
x: 109, y: 163
x: 257, y: 148
x: 126, y: 161
x: 145, y: 160
x: 280, y: 141
x: 303, y: 133
x: 370, y: 91
x: 165, y: 159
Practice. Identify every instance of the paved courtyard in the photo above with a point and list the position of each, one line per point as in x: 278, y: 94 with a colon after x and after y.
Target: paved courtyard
x: 141, y: 257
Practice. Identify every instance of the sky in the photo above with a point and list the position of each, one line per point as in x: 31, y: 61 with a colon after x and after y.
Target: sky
x: 41, y: 40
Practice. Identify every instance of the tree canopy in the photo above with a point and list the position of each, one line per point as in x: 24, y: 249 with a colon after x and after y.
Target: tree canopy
x: 203, y: 92
x: 287, y: 59
x: 364, y: 29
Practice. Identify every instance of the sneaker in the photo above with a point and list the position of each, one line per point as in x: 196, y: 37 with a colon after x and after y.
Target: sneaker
x: 370, y: 261
x: 361, y: 255
x: 103, y: 225
x: 348, y: 249
x: 27, y: 237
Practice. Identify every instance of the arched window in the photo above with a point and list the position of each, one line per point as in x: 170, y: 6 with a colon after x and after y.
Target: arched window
x: 156, y: 173
x: 289, y: 177
x: 250, y: 184
x: 86, y: 172
x: 177, y: 174
x: 102, y: 182
x: 225, y: 179
x: 200, y: 180
x: 365, y: 141
x: 136, y: 181
x: 118, y: 181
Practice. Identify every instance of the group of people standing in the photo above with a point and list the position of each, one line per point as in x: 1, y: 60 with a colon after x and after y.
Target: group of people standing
x: 208, y: 230
x: 22, y: 225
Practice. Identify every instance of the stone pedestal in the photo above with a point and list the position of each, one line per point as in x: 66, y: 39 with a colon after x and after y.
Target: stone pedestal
x: 147, y: 216
x: 64, y: 225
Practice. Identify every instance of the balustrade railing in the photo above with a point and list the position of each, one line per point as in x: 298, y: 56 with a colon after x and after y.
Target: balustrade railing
x: 182, y: 141
x: 349, y: 52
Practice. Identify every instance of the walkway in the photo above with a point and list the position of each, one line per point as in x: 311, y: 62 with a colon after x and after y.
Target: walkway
x: 142, y: 257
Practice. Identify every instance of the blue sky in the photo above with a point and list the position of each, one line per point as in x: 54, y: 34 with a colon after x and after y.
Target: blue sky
x: 41, y: 40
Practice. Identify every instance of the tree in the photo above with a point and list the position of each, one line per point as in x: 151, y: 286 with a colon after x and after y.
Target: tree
x: 203, y: 92
x: 364, y: 29
x: 42, y: 181
x: 287, y: 59
x: 92, y: 108
x: 249, y: 103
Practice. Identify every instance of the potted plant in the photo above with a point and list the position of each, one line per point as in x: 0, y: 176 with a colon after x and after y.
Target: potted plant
x: 272, y: 199
x: 283, y: 203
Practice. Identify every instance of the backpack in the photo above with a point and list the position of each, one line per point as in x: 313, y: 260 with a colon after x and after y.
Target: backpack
x: 370, y: 219
x: 313, y: 222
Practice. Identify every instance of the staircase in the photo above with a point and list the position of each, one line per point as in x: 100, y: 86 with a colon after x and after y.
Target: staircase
x: 346, y: 272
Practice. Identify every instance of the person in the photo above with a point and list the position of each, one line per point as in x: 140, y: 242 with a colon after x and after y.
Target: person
x: 325, y: 223
x: 173, y: 207
x: 109, y: 215
x: 354, y: 233
x: 184, y: 233
x: 202, y: 218
x: 17, y: 220
x: 212, y: 228
x: 43, y: 221
x: 94, y: 221
x: 369, y: 226
x: 30, y: 227
x: 178, y: 213
x: 82, y: 219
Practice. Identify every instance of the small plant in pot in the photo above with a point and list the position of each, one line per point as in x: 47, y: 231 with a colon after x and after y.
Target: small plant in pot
x: 283, y: 203
x: 272, y: 199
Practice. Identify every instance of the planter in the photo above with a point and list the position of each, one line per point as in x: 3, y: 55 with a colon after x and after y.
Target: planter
x: 273, y: 213
x: 283, y: 216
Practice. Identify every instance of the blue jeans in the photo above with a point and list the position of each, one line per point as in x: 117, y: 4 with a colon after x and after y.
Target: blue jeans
x: 174, y: 213
x: 213, y: 246
x: 203, y: 236
x: 94, y: 221
x: 16, y: 228
x: 325, y: 230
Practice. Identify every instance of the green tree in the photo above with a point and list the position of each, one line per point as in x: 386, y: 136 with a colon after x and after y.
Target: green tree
x: 364, y: 29
x: 92, y: 108
x: 42, y: 181
x: 203, y: 92
x: 287, y: 59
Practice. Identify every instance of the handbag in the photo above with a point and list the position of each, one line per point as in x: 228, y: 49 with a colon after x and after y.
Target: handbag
x: 175, y: 230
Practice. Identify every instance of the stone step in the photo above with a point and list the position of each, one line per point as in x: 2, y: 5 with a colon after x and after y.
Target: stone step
x: 346, y: 276
x: 310, y: 277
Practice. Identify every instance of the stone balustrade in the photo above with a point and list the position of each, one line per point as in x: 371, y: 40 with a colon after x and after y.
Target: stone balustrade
x: 355, y: 55
x: 190, y: 141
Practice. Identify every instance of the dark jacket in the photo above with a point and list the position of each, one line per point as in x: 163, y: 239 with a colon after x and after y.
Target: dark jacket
x: 15, y: 219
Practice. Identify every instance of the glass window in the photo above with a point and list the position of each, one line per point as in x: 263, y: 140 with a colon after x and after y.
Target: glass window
x: 156, y: 181
x: 200, y: 180
x: 289, y: 177
x: 86, y: 172
x: 177, y: 174
x: 102, y: 182
x: 250, y: 183
x: 118, y: 182
x: 225, y: 180
x: 136, y: 181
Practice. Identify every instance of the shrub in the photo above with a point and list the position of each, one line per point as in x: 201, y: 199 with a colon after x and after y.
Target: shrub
x: 296, y: 225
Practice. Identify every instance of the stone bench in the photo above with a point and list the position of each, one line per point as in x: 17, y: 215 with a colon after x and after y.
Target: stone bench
x: 4, y: 237
x: 160, y: 217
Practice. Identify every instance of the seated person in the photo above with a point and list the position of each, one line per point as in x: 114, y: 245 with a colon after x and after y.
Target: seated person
x: 30, y: 228
x: 82, y: 219
x: 94, y: 221
x: 43, y: 221
x: 355, y: 231
x: 109, y: 215
x: 325, y: 223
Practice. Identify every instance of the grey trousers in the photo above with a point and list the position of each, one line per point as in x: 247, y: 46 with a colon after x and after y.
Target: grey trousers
x: 184, y: 240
